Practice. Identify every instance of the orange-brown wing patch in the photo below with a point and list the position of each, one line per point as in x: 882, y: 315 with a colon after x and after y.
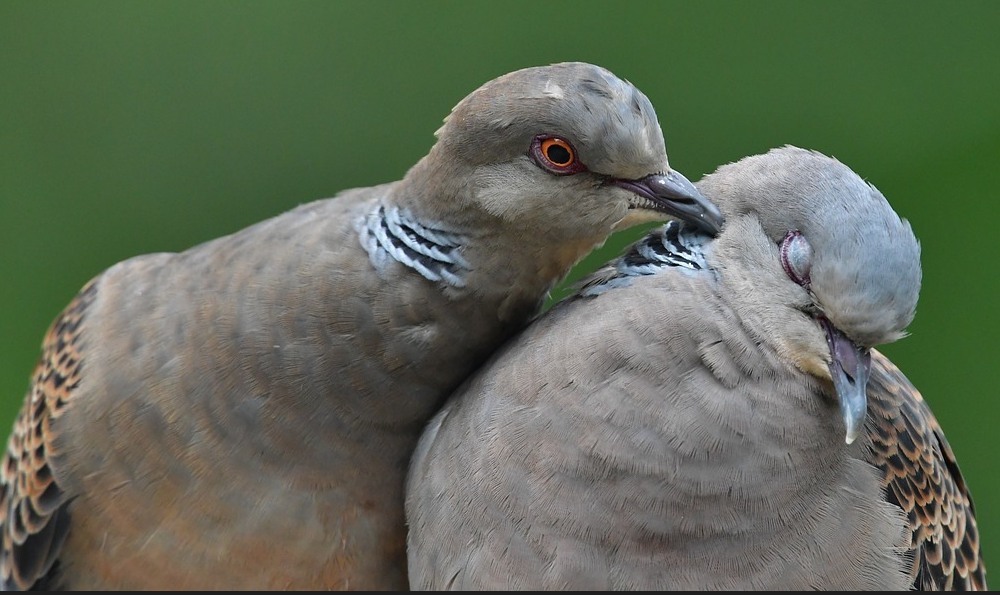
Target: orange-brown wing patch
x: 922, y: 477
x: 33, y: 517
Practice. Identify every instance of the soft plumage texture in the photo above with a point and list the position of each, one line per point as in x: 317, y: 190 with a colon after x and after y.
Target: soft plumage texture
x: 674, y: 426
x: 849, y: 276
x: 241, y: 414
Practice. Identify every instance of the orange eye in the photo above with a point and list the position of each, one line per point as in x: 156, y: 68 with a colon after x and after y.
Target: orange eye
x: 558, y: 151
x: 555, y: 155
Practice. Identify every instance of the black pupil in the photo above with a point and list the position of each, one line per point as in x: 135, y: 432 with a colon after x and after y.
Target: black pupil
x: 558, y: 154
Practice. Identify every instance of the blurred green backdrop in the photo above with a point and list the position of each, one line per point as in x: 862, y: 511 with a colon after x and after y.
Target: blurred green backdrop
x: 133, y: 127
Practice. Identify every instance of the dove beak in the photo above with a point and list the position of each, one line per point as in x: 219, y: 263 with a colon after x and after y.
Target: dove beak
x: 850, y: 367
x: 675, y: 195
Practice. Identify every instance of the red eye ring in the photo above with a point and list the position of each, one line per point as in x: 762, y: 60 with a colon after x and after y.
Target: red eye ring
x: 556, y: 155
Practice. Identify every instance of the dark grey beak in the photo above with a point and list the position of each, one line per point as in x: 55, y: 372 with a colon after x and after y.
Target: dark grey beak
x: 850, y: 367
x: 675, y: 195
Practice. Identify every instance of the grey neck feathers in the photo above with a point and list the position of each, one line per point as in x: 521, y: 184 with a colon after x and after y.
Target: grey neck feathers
x: 389, y: 233
x: 675, y: 246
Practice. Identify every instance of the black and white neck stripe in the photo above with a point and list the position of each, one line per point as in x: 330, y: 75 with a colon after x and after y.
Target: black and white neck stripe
x: 673, y: 246
x: 393, y: 234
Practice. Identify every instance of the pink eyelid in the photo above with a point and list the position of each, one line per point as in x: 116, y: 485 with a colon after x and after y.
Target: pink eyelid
x: 795, y: 241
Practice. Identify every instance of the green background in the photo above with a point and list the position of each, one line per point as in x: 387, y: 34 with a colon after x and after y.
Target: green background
x: 133, y: 127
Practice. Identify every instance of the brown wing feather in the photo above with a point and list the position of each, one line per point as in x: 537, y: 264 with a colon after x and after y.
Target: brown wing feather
x: 34, y: 521
x: 922, y: 477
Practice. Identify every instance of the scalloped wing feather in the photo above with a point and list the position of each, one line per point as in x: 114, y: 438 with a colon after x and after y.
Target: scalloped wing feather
x: 923, y: 478
x: 34, y: 520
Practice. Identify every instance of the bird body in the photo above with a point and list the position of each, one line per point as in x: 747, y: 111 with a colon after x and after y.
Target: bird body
x: 241, y: 414
x: 677, y: 423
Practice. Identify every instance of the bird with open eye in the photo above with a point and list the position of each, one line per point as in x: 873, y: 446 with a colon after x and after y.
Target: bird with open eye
x: 241, y: 415
x: 708, y: 413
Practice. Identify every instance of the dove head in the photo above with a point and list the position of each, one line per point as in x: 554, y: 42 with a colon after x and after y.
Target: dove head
x: 569, y: 152
x: 821, y: 261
